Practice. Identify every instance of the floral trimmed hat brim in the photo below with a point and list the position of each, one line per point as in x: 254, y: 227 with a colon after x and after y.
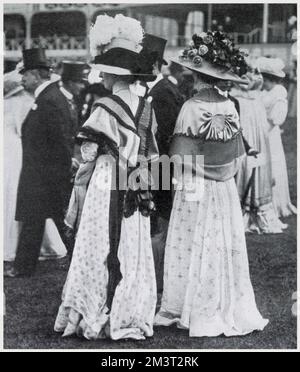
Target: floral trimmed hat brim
x: 207, y: 68
x: 214, y: 54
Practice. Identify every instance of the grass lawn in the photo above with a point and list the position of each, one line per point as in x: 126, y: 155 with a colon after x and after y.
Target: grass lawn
x: 31, y: 304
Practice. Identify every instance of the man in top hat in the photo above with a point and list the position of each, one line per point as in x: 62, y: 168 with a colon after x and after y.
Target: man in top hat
x: 44, y: 184
x: 167, y: 102
x: 72, y: 84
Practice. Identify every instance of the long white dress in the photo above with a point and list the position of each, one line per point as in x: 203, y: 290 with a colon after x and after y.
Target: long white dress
x: 16, y: 108
x: 207, y: 287
x: 259, y: 212
x: 276, y: 105
x: 84, y: 309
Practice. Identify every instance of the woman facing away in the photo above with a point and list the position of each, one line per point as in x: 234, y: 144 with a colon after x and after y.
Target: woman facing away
x: 274, y: 97
x: 254, y: 178
x: 110, y: 289
x: 17, y: 103
x: 207, y: 287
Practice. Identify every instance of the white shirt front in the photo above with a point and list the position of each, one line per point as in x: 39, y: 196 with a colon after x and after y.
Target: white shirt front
x: 151, y: 84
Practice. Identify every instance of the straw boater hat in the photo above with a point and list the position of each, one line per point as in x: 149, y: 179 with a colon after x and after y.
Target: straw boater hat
x: 271, y: 66
x: 115, y: 44
x: 214, y: 54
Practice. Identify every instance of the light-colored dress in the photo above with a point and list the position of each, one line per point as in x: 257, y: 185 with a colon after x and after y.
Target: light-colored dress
x: 16, y: 108
x: 259, y: 213
x: 276, y: 105
x: 84, y: 310
x: 207, y: 287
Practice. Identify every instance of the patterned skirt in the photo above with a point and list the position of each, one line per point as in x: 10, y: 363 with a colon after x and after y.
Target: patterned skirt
x: 84, y: 309
x: 207, y: 287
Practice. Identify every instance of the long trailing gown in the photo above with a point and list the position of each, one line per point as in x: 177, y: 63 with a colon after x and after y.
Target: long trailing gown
x: 275, y: 102
x: 16, y: 107
x: 259, y: 213
x: 207, y: 287
x: 85, y: 308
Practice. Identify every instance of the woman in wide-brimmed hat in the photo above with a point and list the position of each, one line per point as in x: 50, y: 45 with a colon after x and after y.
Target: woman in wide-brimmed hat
x: 110, y: 290
x: 207, y: 287
x: 274, y: 97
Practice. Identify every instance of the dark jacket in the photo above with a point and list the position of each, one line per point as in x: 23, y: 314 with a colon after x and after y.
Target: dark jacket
x: 167, y: 102
x: 47, y: 152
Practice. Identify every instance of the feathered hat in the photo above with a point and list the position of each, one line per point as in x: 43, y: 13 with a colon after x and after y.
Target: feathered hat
x: 214, y: 54
x: 115, y: 44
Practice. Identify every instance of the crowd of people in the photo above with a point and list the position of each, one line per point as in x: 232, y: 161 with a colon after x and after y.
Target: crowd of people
x: 145, y: 256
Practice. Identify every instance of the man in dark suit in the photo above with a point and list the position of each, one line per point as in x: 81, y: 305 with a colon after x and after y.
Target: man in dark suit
x: 44, y: 185
x: 167, y: 101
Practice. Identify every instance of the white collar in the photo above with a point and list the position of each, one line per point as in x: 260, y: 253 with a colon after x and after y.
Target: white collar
x: 223, y: 93
x: 66, y: 93
x: 151, y: 84
x: 173, y: 80
x: 40, y: 88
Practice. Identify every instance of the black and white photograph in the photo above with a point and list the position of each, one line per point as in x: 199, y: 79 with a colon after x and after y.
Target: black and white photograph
x: 149, y: 178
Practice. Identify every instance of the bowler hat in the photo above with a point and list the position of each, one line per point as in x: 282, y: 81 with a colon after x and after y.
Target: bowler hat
x: 157, y: 45
x: 74, y: 71
x: 33, y: 59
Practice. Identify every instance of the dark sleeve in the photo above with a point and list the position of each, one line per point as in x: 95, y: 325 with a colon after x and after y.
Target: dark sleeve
x: 57, y: 155
x: 166, y: 107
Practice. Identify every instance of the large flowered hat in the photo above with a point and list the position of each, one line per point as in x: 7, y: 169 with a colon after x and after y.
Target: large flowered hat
x: 271, y: 66
x: 116, y: 43
x: 214, y: 54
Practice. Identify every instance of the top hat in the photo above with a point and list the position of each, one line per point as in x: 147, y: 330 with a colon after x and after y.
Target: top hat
x: 157, y: 45
x: 33, y: 59
x: 74, y: 71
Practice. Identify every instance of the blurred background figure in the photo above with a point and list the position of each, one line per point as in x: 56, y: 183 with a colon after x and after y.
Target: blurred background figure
x: 228, y: 26
x: 214, y: 25
x: 292, y: 91
x: 274, y: 97
x: 254, y: 179
x: 292, y: 28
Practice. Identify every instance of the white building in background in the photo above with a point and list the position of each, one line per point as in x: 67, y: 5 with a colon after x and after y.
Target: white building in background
x: 63, y: 28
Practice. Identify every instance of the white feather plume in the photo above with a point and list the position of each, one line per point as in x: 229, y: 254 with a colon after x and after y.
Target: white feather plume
x: 106, y: 28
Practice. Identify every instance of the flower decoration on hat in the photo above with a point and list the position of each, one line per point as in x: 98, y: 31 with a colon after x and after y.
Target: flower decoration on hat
x: 218, y: 49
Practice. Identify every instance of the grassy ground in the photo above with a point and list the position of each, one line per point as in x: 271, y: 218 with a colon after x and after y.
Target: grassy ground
x: 31, y: 304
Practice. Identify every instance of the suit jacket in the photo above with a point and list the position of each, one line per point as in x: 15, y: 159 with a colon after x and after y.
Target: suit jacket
x: 167, y: 102
x: 44, y: 184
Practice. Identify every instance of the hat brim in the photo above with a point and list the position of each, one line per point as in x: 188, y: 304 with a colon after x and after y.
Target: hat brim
x: 111, y: 69
x: 207, y: 68
x: 279, y: 74
x: 122, y: 72
x: 24, y: 69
